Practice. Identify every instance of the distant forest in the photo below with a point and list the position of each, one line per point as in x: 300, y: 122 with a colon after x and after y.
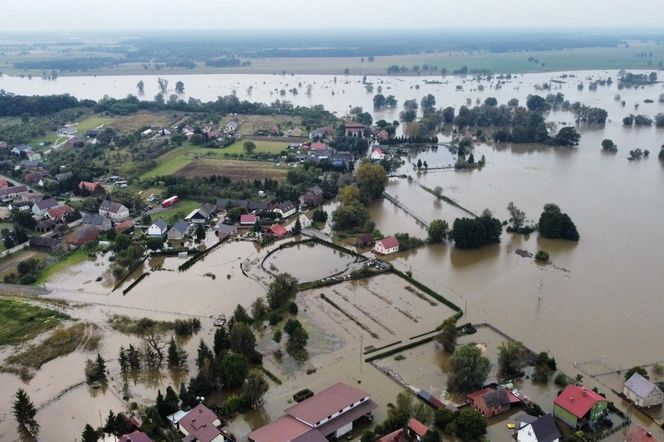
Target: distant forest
x: 220, y: 49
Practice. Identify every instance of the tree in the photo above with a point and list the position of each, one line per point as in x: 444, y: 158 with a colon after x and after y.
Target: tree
x: 242, y: 339
x: 163, y: 86
x: 249, y: 147
x: 402, y: 411
x: 319, y: 216
x: 155, y: 243
x: 200, y: 232
x: 282, y: 289
x: 141, y: 87
x: 470, y: 425
x: 95, y: 371
x: 609, y: 146
x: 567, y: 136
x: 254, y: 388
x: 640, y: 370
x: 469, y: 369
x: 442, y: 417
x: 349, y: 194
x: 379, y: 101
x: 371, y: 180
x: 511, y: 358
x: 233, y: 369
x: 297, y: 228
x: 179, y: 87
x: 240, y: 314
x: 24, y: 413
x: 221, y: 341
x: 89, y: 434
x: 203, y: 354
x: 298, y: 338
x: 472, y: 233
x: 448, y: 334
x: 517, y: 217
x: 437, y: 231
x: 176, y: 357
x: 554, y: 224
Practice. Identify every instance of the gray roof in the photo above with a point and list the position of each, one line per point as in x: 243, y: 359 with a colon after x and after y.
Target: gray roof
x: 46, y: 204
x: 496, y: 398
x: 227, y: 229
x: 161, y: 224
x: 110, y: 206
x: 181, y: 226
x: 63, y: 176
x: 640, y: 385
x: 93, y: 219
x: 545, y: 429
x: 523, y: 420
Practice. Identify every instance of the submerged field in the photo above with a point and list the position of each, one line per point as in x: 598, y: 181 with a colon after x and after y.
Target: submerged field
x: 21, y: 321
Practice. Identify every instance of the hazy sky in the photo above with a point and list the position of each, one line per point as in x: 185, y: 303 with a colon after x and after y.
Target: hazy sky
x: 31, y: 15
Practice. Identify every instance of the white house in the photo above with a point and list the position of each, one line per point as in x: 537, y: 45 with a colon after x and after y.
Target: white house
x: 115, y: 211
x: 377, y: 154
x: 285, y: 209
x: 642, y: 392
x: 533, y: 429
x: 146, y: 133
x: 40, y: 207
x: 387, y: 246
x: 158, y: 228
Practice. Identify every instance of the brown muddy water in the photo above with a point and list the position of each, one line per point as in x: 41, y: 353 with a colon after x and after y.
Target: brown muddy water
x: 600, y: 300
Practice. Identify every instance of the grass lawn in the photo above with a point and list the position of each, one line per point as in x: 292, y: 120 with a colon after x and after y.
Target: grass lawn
x: 69, y: 260
x: 273, y: 147
x: 92, y: 122
x: 21, y: 321
x: 180, y: 210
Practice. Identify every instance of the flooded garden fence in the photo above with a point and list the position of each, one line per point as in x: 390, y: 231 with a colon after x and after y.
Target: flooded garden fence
x: 200, y: 255
x: 428, y: 291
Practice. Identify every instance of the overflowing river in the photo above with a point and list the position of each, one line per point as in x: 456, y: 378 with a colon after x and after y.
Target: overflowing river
x: 598, y: 304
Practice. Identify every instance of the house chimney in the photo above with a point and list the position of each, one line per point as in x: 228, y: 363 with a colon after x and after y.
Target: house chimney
x: 571, y: 399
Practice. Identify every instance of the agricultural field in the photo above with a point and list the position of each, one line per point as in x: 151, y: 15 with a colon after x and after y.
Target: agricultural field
x: 236, y: 170
x: 262, y: 146
x: 21, y: 321
x: 250, y: 124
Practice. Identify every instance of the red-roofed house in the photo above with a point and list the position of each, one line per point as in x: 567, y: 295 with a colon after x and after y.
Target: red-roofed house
x: 3, y: 183
x: 640, y: 434
x: 353, y: 129
x: 317, y: 145
x: 377, y: 154
x: 383, y: 135
x: 492, y: 401
x: 414, y: 431
x: 387, y: 246
x: 136, y: 436
x: 58, y: 214
x: 577, y: 405
x: 328, y: 414
x: 278, y: 230
x: 248, y: 220
x: 94, y: 188
x: 201, y: 424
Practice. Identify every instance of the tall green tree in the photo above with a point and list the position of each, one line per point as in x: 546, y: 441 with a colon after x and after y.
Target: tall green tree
x: 371, y: 180
x: 437, y: 231
x: 89, y: 434
x: 470, y: 425
x: 24, y: 413
x: 448, y: 334
x: 254, y: 388
x: 469, y: 369
x: 511, y: 358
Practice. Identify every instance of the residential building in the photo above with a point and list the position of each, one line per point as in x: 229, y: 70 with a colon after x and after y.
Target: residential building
x: 115, y: 211
x: 12, y: 192
x: 330, y: 414
x: 577, y: 406
x: 318, y: 145
x: 82, y: 236
x: 135, y: 436
x: 158, y: 228
x: 492, y: 401
x: 285, y: 209
x: 202, y: 214
x: 532, y: 429
x: 387, y: 246
x: 124, y: 226
x: 45, y: 225
x: 312, y: 197
x: 248, y: 220
x: 383, y: 135
x: 414, y: 431
x: 62, y: 177
x: 321, y: 133
x: 40, y: 207
x: 92, y: 188
x: 179, y: 231
x: 377, y: 154
x: 353, y: 129
x: 44, y: 243
x: 226, y: 230
x: 101, y: 223
x: 200, y: 425
x: 30, y: 165
x: 639, y: 434
x: 58, y: 214
x: 642, y: 392
x: 364, y: 240
x: 278, y: 230
x: 35, y: 178
x: 3, y: 183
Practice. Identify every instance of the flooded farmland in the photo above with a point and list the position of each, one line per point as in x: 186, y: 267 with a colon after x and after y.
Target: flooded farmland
x: 582, y: 308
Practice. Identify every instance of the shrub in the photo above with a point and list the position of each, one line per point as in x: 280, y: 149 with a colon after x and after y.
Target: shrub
x: 542, y: 256
x: 561, y: 380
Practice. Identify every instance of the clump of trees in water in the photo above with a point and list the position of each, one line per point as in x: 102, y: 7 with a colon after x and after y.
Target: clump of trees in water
x: 555, y: 224
x: 352, y: 215
x: 609, y: 146
x: 472, y: 233
x: 628, y: 79
x: 637, y: 120
x: 518, y: 220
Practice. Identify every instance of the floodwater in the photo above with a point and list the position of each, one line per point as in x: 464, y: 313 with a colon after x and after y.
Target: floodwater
x: 600, y: 300
x: 296, y: 260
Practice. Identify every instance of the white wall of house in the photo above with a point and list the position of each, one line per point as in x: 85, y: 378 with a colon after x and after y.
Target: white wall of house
x: 154, y: 230
x: 656, y: 397
x: 378, y: 248
x: 344, y: 430
x: 118, y: 216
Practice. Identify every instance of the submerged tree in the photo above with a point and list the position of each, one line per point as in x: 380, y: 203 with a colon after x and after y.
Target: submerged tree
x: 448, y: 334
x: 511, y: 358
x: 469, y: 369
x: 24, y: 413
x: 141, y: 87
x: 517, y: 217
x: 179, y: 87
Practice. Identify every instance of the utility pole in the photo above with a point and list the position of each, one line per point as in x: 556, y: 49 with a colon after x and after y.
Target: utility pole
x: 361, y: 346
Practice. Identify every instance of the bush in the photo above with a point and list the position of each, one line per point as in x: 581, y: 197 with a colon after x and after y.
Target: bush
x: 292, y: 308
x: 561, y: 380
x: 542, y: 256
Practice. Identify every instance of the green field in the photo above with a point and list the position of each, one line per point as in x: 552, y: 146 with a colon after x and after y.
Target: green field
x: 67, y: 261
x: 21, y: 321
x: 180, y: 210
x: 271, y: 147
x: 92, y: 122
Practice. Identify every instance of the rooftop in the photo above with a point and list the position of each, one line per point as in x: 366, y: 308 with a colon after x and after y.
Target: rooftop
x: 640, y: 385
x: 199, y: 422
x: 578, y: 400
x: 326, y: 403
x: 389, y: 242
x: 286, y: 429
